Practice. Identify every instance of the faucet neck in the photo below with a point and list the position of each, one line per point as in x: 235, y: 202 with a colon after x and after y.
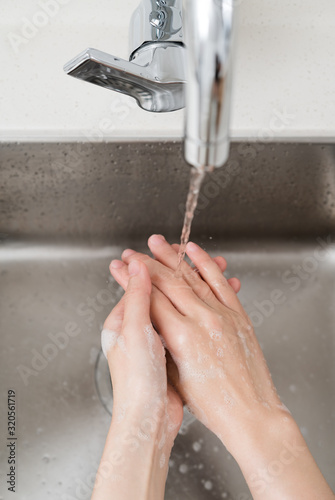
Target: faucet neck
x: 208, y: 34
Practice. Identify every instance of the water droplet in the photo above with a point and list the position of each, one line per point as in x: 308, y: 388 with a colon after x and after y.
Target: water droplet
x: 208, y: 485
x: 183, y: 468
x: 196, y: 446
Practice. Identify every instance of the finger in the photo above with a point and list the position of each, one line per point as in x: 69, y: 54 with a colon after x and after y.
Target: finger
x: 159, y: 302
x: 136, y: 300
x: 169, y: 323
x: 221, y: 262
x: 214, y: 277
x: 175, y: 289
x: 164, y: 253
x: 235, y: 284
x: 112, y: 328
x: 115, y: 319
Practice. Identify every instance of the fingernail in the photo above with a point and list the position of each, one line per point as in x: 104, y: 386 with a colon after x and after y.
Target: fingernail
x: 128, y: 253
x: 192, y: 247
x: 157, y: 239
x: 134, y: 268
x: 117, y: 264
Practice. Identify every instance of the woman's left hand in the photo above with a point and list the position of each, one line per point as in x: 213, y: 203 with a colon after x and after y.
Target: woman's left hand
x: 147, y: 412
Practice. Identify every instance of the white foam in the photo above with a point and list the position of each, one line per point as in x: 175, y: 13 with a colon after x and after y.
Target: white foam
x: 187, y: 372
x: 215, y: 335
x: 150, y: 335
x: 244, y: 343
x: 162, y: 441
x: 283, y: 407
x: 220, y: 352
x: 108, y: 340
x: 162, y: 460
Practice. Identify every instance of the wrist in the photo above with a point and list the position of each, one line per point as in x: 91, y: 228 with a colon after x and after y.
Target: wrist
x: 277, y: 463
x: 268, y: 453
x: 135, y: 458
x: 269, y: 438
x: 144, y: 425
x: 263, y: 435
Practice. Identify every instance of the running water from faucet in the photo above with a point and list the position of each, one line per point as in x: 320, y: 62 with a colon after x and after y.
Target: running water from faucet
x: 197, y: 177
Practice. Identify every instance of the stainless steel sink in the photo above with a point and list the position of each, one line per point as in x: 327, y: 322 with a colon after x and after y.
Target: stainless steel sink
x: 68, y: 209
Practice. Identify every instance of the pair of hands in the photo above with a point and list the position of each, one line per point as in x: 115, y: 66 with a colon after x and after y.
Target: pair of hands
x: 218, y: 368
x: 212, y: 362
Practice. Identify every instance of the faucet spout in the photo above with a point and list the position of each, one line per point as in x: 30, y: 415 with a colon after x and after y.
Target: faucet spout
x: 163, y: 71
x: 208, y: 36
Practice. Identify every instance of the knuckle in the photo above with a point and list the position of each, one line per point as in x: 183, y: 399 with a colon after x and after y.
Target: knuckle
x: 182, y: 340
x: 206, y: 294
x: 212, y: 319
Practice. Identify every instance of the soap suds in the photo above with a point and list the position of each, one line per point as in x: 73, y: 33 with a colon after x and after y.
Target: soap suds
x: 220, y: 352
x: 283, y: 407
x: 244, y: 343
x: 162, y: 441
x: 215, y: 335
x: 150, y: 335
x: 162, y: 461
x: 108, y: 341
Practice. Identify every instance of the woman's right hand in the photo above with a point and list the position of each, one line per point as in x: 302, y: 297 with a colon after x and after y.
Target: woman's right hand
x: 222, y: 374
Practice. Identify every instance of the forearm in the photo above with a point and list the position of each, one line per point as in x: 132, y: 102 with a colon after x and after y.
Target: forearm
x: 134, y: 464
x: 278, y: 465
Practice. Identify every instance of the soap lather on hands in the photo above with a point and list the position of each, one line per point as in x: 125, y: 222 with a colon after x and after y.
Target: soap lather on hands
x: 218, y: 370
x: 222, y: 374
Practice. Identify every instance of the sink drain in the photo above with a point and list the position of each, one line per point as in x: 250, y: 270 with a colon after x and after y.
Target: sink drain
x: 104, y: 387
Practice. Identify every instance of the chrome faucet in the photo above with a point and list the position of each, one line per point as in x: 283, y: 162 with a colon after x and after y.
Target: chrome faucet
x: 167, y: 70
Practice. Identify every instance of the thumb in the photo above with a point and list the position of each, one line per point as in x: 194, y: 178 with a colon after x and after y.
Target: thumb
x: 137, y: 298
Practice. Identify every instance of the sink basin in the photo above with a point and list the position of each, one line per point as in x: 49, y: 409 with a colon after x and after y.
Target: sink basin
x: 68, y: 209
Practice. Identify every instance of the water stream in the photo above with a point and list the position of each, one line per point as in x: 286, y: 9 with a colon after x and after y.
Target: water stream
x: 197, y: 177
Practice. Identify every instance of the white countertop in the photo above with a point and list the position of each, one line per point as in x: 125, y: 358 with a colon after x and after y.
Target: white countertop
x: 284, y: 86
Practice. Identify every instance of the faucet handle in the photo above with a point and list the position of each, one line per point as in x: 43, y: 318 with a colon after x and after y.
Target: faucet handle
x: 146, y: 77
